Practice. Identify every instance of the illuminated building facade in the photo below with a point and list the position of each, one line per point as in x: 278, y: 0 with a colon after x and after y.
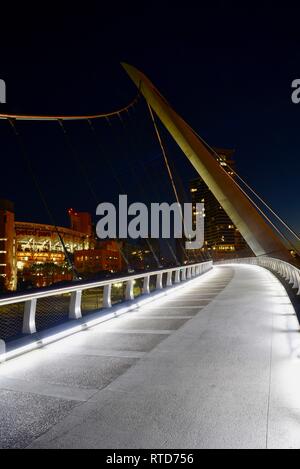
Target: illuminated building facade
x: 221, y: 237
x: 40, y: 255
x: 80, y: 222
x: 8, y: 265
x: 105, y: 257
x: 32, y: 255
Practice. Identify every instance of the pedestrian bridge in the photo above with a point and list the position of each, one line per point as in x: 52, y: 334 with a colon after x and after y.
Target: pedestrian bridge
x: 214, y: 364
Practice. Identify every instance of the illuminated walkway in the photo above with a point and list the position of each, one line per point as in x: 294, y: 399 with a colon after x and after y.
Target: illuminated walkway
x: 213, y: 366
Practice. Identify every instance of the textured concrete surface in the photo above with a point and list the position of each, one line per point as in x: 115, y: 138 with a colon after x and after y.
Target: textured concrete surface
x: 217, y: 365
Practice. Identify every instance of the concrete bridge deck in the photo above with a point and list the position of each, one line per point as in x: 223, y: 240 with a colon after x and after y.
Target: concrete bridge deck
x: 213, y: 366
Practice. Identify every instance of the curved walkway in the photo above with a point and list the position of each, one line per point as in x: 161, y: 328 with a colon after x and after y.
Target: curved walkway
x: 215, y: 365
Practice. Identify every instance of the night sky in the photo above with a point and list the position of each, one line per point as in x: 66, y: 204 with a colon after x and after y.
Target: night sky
x: 226, y: 70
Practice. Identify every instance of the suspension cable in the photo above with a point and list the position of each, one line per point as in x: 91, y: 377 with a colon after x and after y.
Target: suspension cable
x: 168, y: 170
x: 217, y: 156
x: 257, y: 207
x: 73, y: 152
x: 141, y: 190
x: 164, y: 153
x: 152, y: 182
x: 94, y: 133
x: 42, y: 196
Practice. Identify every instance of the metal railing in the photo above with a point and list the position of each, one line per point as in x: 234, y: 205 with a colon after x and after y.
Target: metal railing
x: 26, y: 314
x: 287, y: 271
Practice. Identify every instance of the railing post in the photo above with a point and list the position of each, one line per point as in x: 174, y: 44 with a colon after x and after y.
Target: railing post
x: 107, y: 296
x: 188, y: 273
x: 183, y: 274
x: 75, y: 305
x: 294, y: 279
x: 291, y: 276
x: 177, y: 276
x: 29, y: 326
x: 2, y: 350
x: 298, y: 281
x: 129, y: 290
x: 285, y: 272
x: 146, y: 285
x: 169, y: 279
x: 159, y: 281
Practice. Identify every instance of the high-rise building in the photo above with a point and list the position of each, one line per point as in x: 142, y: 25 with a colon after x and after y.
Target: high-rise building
x: 8, y: 265
x: 221, y: 237
x: 80, y: 221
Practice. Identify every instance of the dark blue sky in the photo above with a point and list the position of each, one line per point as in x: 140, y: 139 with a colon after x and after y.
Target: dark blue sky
x: 227, y: 70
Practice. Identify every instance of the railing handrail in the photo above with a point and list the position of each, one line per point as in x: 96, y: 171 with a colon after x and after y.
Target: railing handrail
x: 288, y: 271
x: 183, y: 273
x: 51, y: 291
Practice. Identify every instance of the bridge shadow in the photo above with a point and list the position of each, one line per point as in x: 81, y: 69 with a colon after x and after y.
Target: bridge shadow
x: 292, y: 293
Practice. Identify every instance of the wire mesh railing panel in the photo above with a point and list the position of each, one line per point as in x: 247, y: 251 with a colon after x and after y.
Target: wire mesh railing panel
x: 62, y: 304
x: 52, y: 311
x: 118, y: 292
x: 11, y: 321
x: 91, y: 300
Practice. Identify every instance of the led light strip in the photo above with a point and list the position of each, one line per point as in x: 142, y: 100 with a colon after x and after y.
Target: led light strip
x: 157, y: 297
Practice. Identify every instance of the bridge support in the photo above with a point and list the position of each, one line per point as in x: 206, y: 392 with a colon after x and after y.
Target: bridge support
x: 75, y: 305
x: 146, y: 285
x: 2, y: 351
x: 159, y: 282
x: 29, y: 326
x: 129, y: 290
x: 258, y: 234
x: 177, y: 276
x: 107, y: 296
x: 169, y: 279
